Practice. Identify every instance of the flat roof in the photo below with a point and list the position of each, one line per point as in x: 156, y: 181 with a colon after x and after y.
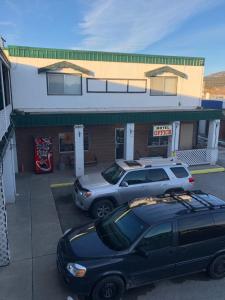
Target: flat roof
x: 69, y: 54
x: 22, y: 119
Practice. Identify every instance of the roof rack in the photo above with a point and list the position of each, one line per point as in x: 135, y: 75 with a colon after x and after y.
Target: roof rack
x: 182, y: 202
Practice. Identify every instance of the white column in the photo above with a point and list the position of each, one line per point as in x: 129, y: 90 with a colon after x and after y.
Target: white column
x: 129, y: 141
x: 173, y: 140
x: 79, y: 150
x: 213, y: 138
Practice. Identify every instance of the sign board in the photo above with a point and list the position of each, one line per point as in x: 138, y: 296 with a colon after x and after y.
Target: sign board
x: 162, y: 130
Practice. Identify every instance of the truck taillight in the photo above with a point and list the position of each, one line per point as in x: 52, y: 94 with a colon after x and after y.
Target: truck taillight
x: 191, y: 180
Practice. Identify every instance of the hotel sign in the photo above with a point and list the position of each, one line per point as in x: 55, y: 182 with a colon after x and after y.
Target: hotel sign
x: 162, y: 130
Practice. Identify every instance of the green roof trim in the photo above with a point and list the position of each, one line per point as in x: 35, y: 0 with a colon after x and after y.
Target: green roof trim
x: 70, y: 119
x: 22, y: 51
x: 165, y: 69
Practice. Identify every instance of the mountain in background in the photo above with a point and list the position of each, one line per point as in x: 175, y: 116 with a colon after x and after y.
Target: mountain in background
x: 214, y: 86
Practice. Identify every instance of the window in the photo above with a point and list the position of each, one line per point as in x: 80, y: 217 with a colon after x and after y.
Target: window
x: 121, y: 229
x: 113, y: 173
x: 155, y: 175
x: 195, y: 229
x: 64, y: 84
x: 66, y: 141
x: 103, y: 85
x: 136, y: 177
x: 163, y: 86
x: 6, y: 81
x: 179, y: 172
x: 159, y: 236
x: 156, y: 141
x: 220, y: 223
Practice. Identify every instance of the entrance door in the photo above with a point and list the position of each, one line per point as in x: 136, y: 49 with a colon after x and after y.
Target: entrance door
x: 119, y: 143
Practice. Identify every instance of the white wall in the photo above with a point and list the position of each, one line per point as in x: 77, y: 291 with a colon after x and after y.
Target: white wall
x: 30, y: 88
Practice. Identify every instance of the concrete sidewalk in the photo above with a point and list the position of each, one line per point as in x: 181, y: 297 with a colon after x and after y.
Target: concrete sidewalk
x: 34, y: 231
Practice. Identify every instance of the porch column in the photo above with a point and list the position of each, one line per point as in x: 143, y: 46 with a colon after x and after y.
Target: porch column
x: 129, y: 141
x: 173, y: 140
x: 213, y: 138
x: 79, y: 150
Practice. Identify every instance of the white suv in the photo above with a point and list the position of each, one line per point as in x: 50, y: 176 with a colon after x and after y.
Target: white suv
x: 123, y: 181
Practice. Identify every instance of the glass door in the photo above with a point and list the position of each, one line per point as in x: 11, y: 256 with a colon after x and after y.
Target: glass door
x: 119, y: 143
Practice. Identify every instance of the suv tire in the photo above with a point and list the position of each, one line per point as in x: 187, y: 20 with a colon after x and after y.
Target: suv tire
x: 101, y: 208
x: 109, y: 288
x: 216, y: 269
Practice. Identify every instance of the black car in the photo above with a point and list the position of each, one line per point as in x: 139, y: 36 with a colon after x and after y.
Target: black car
x: 147, y: 240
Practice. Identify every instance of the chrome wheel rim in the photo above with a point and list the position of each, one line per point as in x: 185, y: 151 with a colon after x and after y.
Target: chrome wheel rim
x: 103, y: 210
x: 108, y: 291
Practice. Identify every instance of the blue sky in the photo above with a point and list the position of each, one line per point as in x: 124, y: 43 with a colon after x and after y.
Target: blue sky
x: 175, y: 27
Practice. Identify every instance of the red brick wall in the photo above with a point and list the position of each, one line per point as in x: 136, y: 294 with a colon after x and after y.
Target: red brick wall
x: 25, y: 144
x: 222, y: 130
x: 141, y: 148
x: 101, y: 143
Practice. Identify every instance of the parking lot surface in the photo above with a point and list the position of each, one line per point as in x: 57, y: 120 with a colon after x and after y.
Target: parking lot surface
x: 197, y: 286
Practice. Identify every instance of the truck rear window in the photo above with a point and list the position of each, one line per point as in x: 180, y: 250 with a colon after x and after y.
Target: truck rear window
x: 179, y: 172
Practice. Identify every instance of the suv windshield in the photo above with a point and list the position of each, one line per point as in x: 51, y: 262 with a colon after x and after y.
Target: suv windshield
x: 113, y: 173
x: 120, y: 229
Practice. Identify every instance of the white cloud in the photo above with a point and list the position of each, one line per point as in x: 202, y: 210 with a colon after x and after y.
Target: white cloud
x: 7, y: 23
x: 128, y: 26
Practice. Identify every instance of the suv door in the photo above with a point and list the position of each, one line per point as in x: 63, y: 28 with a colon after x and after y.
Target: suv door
x: 196, y: 243
x: 158, y: 182
x: 137, y: 181
x: 154, y: 256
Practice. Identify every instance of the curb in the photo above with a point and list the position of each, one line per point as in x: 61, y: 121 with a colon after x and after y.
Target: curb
x: 58, y: 185
x: 207, y: 171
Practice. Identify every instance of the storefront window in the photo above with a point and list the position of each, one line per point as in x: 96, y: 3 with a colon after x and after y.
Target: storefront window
x: 156, y: 140
x: 66, y: 141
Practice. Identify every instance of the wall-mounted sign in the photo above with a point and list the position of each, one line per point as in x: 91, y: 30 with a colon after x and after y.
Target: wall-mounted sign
x: 162, y: 130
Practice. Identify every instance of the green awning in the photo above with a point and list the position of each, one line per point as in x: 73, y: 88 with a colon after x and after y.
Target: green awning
x: 65, y: 64
x: 165, y: 69
x: 70, y: 119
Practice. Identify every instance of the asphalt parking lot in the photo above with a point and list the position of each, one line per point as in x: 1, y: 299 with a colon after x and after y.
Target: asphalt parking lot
x: 197, y: 286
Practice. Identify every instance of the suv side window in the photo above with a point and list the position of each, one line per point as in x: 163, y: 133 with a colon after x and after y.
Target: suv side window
x: 159, y: 236
x: 136, y: 177
x: 179, y: 172
x: 155, y: 175
x: 195, y: 229
x: 220, y: 223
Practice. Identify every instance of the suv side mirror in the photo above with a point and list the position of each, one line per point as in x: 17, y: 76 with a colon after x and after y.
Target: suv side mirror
x: 124, y: 184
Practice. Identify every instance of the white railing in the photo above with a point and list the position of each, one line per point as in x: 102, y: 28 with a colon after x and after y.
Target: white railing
x: 196, y: 156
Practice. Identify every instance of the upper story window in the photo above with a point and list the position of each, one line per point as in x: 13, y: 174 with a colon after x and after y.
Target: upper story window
x: 64, y: 84
x: 163, y: 86
x: 104, y: 85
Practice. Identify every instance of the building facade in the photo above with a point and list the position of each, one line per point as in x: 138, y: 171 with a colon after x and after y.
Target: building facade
x: 7, y: 136
x: 7, y: 155
x: 98, y: 106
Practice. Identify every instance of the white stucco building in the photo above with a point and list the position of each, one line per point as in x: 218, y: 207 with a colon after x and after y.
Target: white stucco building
x: 101, y: 106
